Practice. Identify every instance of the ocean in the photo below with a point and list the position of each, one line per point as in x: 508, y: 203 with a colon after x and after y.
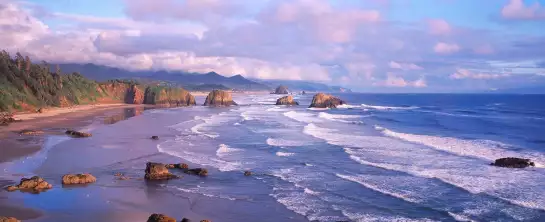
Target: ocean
x: 383, y: 157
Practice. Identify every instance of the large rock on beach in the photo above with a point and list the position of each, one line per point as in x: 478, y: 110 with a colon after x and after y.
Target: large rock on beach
x: 219, y: 98
x: 182, y: 166
x: 8, y: 219
x: 281, y: 90
x: 513, y: 162
x: 322, y: 100
x: 160, y: 218
x: 35, y: 184
x: 77, y: 134
x: 286, y: 100
x: 197, y: 171
x: 158, y: 171
x: 78, y: 179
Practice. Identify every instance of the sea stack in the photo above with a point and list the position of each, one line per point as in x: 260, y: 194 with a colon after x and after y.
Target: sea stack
x: 286, y: 100
x: 219, y: 98
x: 513, y: 162
x: 322, y: 100
x: 281, y: 90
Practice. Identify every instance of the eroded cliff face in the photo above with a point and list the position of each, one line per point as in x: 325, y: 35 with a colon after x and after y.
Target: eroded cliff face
x: 168, y: 97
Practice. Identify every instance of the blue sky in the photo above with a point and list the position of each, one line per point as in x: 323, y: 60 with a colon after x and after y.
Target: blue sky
x: 368, y: 45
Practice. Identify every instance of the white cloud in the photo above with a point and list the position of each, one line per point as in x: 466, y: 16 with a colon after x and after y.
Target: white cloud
x: 439, y: 27
x: 516, y: 10
x: 404, y: 66
x: 467, y: 74
x: 446, y: 48
x: 395, y: 81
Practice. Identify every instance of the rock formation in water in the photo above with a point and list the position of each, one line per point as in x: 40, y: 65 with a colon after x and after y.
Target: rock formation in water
x: 158, y: 171
x: 77, y: 134
x: 31, y: 132
x: 34, y: 184
x: 197, y: 171
x: 154, y: 137
x: 512, y: 162
x: 286, y: 100
x: 168, y: 97
x: 160, y: 218
x: 8, y: 219
x: 78, y: 179
x: 219, y: 98
x: 281, y: 90
x: 247, y: 173
x: 322, y: 100
x: 182, y: 166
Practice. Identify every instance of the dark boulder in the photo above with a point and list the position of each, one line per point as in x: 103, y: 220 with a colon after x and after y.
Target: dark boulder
x: 513, y: 162
x: 197, y: 171
x: 247, y: 173
x: 33, y: 184
x: 322, y: 100
x: 155, y: 138
x: 177, y: 166
x: 219, y: 98
x: 77, y: 134
x: 286, y: 100
x: 160, y: 218
x: 281, y: 90
x: 158, y: 171
x: 185, y: 220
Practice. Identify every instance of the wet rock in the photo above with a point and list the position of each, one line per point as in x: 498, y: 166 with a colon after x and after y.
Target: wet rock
x: 31, y: 132
x: 286, y: 100
x: 154, y: 137
x: 247, y: 173
x: 33, y: 184
x: 9, y: 219
x: 158, y: 171
x: 322, y: 100
x: 185, y: 220
x: 160, y: 218
x: 281, y: 90
x: 177, y: 166
x: 219, y: 98
x: 78, y: 179
x: 206, y: 221
x: 303, y: 93
x: 197, y: 171
x: 77, y: 134
x: 513, y: 162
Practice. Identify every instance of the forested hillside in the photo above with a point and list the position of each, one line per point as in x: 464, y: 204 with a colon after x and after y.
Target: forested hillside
x: 25, y: 85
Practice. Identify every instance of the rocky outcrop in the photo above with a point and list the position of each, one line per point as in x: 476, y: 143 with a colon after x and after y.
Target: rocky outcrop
x: 78, y: 179
x: 31, y: 132
x: 286, y: 100
x: 77, y: 134
x: 6, y: 118
x: 154, y: 137
x: 512, y: 162
x: 281, y: 90
x: 158, y: 171
x: 322, y: 100
x: 8, y: 219
x: 197, y: 171
x: 160, y: 218
x: 247, y: 173
x: 182, y: 166
x: 134, y: 95
x: 219, y: 98
x: 168, y: 97
x: 35, y: 184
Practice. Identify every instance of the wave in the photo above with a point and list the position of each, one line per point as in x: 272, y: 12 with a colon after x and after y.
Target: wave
x: 482, y: 149
x: 285, y: 143
x: 364, y: 217
x: 389, y: 107
x: 317, y: 109
x: 224, y: 150
x: 303, y: 117
x: 341, y: 118
x: 199, y: 158
x: 198, y: 191
x: 284, y: 154
x: 377, y: 188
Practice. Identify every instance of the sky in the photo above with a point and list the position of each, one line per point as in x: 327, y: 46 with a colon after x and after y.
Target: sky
x: 365, y: 45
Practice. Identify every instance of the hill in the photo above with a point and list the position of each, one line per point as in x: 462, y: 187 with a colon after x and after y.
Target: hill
x: 28, y: 86
x: 297, y: 85
x: 183, y: 79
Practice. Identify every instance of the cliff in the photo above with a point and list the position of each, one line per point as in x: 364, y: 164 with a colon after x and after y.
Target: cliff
x: 219, y: 98
x: 25, y: 86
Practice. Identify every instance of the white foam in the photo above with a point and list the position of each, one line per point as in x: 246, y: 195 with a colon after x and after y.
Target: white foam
x: 284, y: 154
x: 389, y: 107
x: 365, y: 217
x: 285, y: 143
x: 361, y: 180
x: 346, y: 106
x: 197, y: 190
x: 199, y: 158
x: 312, y: 192
x: 224, y: 150
x: 483, y: 149
x: 317, y: 109
x: 303, y: 117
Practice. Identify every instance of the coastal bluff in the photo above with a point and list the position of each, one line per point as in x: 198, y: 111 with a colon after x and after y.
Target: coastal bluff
x: 322, y: 100
x: 219, y: 98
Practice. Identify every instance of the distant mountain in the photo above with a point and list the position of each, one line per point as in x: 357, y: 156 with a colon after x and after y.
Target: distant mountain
x: 184, y: 79
x: 296, y: 85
